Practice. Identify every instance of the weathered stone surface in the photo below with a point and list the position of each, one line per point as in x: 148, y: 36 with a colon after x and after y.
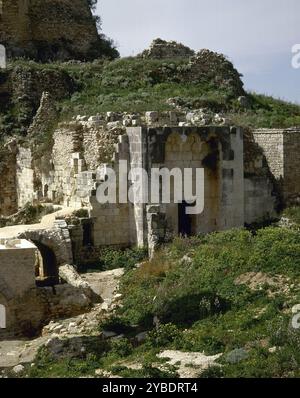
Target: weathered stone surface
x: 50, y: 30
x: 236, y: 356
x: 160, y: 49
x: 18, y: 369
x: 45, y: 117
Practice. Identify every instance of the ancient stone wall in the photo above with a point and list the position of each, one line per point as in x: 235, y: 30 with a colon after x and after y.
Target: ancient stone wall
x: 27, y: 307
x: 25, y: 177
x: 291, y: 145
x: 17, y: 265
x: 281, y: 150
x: 161, y: 49
x: 8, y: 194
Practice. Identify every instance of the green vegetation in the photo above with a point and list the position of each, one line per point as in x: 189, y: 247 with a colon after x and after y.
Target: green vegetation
x: 29, y: 214
x: 106, y: 356
x: 293, y: 214
x: 138, y: 85
x: 202, y: 306
x: 229, y: 292
x: 115, y: 258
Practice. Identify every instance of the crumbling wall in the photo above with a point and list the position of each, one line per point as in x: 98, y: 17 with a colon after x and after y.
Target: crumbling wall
x: 281, y: 149
x: 205, y: 65
x: 8, y: 195
x: 291, y: 183
x: 161, y: 49
x: 262, y: 191
x: 25, y: 177
x: 17, y: 265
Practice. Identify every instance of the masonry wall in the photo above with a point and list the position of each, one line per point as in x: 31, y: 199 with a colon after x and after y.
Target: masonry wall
x: 271, y: 141
x: 8, y: 196
x: 25, y: 177
x: 260, y: 201
x: 17, y: 268
x: 218, y: 150
x: 232, y: 210
x: 281, y: 149
x: 291, y: 143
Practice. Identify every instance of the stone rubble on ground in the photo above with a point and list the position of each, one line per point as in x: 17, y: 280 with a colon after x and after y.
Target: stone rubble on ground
x: 190, y: 364
x: 179, y: 117
x: 18, y: 369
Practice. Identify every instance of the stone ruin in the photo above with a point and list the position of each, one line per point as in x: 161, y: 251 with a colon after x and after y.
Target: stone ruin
x: 247, y: 175
x: 167, y: 49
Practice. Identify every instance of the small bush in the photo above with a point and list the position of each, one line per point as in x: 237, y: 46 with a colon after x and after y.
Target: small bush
x: 293, y: 213
x: 120, y: 347
x: 112, y: 259
x: 81, y: 213
x: 163, y: 335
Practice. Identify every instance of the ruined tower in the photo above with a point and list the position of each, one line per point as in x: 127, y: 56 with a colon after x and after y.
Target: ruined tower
x: 49, y: 29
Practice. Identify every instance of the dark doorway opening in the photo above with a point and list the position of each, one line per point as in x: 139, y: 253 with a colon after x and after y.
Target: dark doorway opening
x: 185, y: 221
x: 47, y: 269
x: 87, y: 229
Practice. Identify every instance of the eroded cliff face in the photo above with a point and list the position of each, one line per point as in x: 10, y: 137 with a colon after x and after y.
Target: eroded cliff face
x: 49, y: 30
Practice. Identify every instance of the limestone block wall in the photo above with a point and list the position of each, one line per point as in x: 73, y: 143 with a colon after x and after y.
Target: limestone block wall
x: 17, y: 265
x: 63, y: 184
x: 260, y: 201
x: 291, y: 183
x: 8, y: 196
x: 25, y: 177
x: 281, y: 149
x: 271, y: 141
x: 111, y: 224
x: 232, y: 191
x: 218, y: 150
x: 137, y: 140
x: 114, y: 223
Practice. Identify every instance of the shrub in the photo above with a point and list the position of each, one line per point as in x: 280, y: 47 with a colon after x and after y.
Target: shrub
x: 112, y: 258
x: 163, y: 335
x: 81, y: 213
x: 120, y: 347
x: 293, y: 213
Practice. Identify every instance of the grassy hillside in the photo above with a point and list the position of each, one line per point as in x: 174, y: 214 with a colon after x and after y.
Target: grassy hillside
x: 138, y: 85
x: 228, y: 293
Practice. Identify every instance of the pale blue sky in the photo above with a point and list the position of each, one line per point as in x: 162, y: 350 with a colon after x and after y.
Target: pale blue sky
x: 257, y: 35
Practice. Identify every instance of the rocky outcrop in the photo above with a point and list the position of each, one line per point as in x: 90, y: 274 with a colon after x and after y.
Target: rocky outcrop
x: 22, y: 88
x: 45, y: 117
x: 203, y: 66
x: 207, y: 65
x: 160, y: 49
x: 51, y: 30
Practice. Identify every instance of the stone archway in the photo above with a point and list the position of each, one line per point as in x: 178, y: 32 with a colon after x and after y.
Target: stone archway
x: 47, y: 273
x: 55, y: 239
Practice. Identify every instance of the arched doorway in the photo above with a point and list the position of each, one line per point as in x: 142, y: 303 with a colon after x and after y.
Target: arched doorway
x: 46, y: 266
